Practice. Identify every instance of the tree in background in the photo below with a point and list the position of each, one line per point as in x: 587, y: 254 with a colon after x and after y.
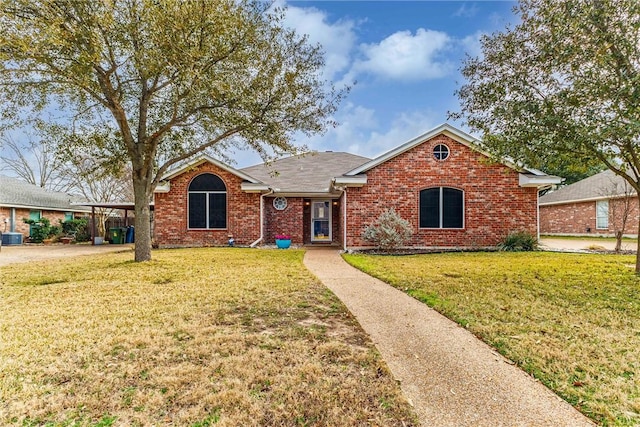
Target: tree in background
x: 34, y: 161
x: 620, y: 206
x: 51, y: 159
x: 159, y: 81
x: 563, y: 86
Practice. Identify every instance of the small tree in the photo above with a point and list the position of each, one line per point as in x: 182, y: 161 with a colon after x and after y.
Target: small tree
x: 390, y: 231
x: 620, y: 196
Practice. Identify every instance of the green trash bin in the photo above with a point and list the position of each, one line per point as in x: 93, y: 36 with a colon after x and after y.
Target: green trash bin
x: 116, y: 235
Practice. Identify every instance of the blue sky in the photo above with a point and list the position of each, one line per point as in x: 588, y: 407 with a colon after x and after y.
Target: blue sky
x: 405, y: 57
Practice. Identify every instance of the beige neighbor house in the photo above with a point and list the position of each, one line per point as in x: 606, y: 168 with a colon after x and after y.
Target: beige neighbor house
x: 20, y: 200
x: 593, y: 206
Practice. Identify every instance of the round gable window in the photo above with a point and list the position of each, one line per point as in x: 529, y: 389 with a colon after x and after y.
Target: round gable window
x: 280, y: 203
x: 440, y: 152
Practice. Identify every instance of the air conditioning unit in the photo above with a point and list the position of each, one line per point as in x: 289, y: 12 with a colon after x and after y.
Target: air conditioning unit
x: 10, y: 238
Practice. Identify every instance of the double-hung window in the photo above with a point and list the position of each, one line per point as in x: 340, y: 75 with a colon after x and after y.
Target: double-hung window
x: 602, y: 214
x: 207, y: 202
x: 441, y: 207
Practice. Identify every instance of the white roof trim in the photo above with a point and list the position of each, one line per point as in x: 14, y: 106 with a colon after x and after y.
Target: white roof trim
x: 46, y: 208
x: 251, y: 187
x: 444, y: 129
x: 531, y: 180
x: 206, y: 158
x: 588, y: 199
x: 306, y: 195
x: 163, y: 187
x: 349, y: 181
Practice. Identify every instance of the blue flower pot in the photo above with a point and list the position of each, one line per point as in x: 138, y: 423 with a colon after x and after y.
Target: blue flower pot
x: 283, y: 243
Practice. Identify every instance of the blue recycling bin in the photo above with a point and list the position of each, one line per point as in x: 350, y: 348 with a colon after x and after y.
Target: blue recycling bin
x: 130, y: 235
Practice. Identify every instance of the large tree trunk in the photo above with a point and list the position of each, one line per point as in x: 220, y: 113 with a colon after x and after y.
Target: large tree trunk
x: 141, y: 191
x: 638, y: 238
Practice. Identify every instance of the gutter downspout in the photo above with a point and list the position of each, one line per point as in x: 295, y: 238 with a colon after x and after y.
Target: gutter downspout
x: 344, y: 219
x: 538, y: 208
x: 538, y: 215
x: 262, y: 196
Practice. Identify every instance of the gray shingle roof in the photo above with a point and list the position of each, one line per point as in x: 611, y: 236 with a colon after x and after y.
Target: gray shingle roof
x: 307, y: 173
x: 602, y: 185
x: 17, y: 193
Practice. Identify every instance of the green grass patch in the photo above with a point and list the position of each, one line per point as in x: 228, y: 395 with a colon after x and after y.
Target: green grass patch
x: 571, y: 320
x: 195, y: 337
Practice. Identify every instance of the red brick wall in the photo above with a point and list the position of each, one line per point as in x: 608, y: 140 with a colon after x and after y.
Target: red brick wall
x: 243, y: 213
x: 21, y: 227
x: 288, y: 221
x: 576, y: 218
x: 494, y: 203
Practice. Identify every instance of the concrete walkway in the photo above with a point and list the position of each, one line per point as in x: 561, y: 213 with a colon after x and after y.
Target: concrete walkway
x: 450, y: 377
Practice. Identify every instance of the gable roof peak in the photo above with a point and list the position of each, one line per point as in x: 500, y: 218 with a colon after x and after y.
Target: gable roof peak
x: 206, y: 158
x: 443, y: 129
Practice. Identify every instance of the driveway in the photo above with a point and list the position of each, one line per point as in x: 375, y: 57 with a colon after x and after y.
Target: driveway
x: 569, y: 244
x: 28, y: 253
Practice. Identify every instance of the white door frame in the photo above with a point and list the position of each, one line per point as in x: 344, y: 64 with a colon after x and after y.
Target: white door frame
x: 328, y: 216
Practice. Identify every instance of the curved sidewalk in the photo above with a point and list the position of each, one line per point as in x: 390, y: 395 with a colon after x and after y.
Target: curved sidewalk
x: 450, y: 377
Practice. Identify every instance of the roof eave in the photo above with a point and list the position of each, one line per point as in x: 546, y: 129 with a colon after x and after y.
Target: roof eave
x: 250, y: 187
x: 205, y: 158
x: 349, y: 181
x: 72, y: 208
x: 538, y: 181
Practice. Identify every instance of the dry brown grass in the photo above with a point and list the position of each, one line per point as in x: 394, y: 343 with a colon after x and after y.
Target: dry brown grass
x: 571, y: 320
x: 195, y: 337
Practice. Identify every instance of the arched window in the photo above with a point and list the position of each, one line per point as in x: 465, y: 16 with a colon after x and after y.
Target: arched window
x: 441, y: 207
x: 207, y: 202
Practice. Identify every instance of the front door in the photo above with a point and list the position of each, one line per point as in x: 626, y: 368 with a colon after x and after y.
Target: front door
x: 321, y: 221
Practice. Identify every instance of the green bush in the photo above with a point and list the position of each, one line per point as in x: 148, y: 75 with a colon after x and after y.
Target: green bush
x: 519, y: 241
x: 390, y: 231
x: 42, y: 229
x: 77, y: 228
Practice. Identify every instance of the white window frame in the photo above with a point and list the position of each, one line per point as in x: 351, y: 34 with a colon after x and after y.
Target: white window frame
x: 441, y: 152
x: 602, y: 218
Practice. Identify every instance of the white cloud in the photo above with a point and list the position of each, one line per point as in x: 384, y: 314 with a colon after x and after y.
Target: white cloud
x: 405, y: 126
x: 471, y: 44
x: 361, y: 133
x: 404, y: 56
x: 337, y: 39
x: 466, y: 11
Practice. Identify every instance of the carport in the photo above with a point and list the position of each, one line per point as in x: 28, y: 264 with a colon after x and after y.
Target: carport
x: 123, y: 206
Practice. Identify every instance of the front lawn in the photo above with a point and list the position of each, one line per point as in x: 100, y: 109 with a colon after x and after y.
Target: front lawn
x: 196, y: 337
x: 571, y: 320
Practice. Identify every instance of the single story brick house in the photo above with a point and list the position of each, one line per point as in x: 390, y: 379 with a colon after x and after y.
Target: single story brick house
x: 20, y: 200
x: 452, y: 194
x: 592, y: 206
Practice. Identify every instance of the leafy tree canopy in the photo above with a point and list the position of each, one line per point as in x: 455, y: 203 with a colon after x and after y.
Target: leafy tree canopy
x: 562, y: 88
x: 154, y: 82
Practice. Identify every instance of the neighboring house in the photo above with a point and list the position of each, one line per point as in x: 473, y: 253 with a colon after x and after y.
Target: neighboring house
x: 20, y: 200
x: 452, y: 194
x: 594, y: 205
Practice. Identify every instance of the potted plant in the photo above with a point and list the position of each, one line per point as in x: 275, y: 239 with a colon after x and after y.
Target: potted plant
x: 283, y: 241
